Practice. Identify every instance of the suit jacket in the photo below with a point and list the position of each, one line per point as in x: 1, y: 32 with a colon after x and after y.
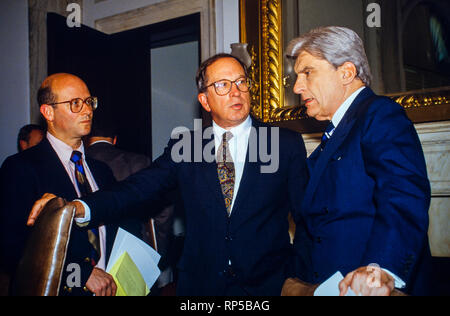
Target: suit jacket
x: 254, y: 238
x: 368, y: 197
x: 123, y: 164
x: 24, y: 178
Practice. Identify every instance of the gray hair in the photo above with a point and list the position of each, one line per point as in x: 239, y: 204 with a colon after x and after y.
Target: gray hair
x: 336, y: 45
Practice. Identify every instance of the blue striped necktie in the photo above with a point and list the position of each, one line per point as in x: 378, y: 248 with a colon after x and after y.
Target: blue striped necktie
x: 327, y: 135
x: 85, y: 189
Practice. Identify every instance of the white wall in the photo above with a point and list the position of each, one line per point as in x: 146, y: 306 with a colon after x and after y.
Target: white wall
x: 15, y: 78
x: 227, y: 24
x: 94, y: 10
x: 174, y: 93
x: 227, y: 16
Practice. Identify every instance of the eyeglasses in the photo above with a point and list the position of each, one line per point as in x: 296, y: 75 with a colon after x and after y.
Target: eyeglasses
x: 76, y: 105
x: 223, y: 87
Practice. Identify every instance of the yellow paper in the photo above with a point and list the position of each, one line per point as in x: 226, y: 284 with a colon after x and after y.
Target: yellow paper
x: 128, y: 278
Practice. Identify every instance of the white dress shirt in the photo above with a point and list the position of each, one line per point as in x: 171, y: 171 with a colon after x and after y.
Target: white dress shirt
x: 64, y: 153
x: 238, y: 146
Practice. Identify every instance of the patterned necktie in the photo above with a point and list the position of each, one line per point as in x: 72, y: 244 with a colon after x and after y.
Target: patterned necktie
x: 327, y: 135
x: 85, y: 189
x: 225, y: 170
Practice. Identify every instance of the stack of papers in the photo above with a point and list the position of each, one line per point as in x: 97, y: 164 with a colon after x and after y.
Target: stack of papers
x: 133, y: 265
x: 331, y: 286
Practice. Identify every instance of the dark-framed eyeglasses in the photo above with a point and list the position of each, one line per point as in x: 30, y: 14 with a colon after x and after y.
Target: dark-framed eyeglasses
x: 76, y: 105
x: 223, y: 87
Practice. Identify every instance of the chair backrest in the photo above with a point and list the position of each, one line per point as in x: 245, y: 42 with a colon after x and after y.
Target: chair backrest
x: 41, y: 267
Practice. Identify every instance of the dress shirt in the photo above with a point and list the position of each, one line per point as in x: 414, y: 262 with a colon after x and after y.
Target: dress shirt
x: 336, y: 119
x: 64, y: 153
x: 238, y: 146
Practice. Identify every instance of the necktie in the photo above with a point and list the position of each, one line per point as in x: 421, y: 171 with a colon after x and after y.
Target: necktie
x: 85, y: 189
x: 225, y: 170
x: 327, y: 135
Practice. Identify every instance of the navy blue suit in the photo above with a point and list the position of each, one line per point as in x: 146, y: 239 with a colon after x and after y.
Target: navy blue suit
x: 367, y: 199
x: 24, y: 178
x: 255, y: 238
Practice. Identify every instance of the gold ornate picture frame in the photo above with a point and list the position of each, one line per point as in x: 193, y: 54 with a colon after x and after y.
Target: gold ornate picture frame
x: 262, y: 28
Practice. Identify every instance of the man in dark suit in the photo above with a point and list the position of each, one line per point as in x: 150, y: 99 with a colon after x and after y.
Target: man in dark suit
x: 368, y: 195
x: 157, y: 231
x: 67, y: 106
x: 236, y: 203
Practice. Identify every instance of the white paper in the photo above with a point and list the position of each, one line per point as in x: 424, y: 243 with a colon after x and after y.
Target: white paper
x: 144, y: 256
x: 331, y: 286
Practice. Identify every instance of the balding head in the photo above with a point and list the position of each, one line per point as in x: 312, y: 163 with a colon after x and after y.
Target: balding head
x: 55, y: 96
x: 48, y: 92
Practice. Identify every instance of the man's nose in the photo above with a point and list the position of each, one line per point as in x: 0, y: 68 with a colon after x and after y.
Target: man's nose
x: 299, y: 86
x: 235, y: 90
x: 87, y: 109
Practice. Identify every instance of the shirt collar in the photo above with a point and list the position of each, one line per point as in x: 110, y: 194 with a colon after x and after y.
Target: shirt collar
x: 337, y: 117
x: 237, y: 131
x: 101, y: 141
x: 63, y: 150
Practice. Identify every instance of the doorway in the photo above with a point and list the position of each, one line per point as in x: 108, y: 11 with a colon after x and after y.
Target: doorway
x: 127, y: 71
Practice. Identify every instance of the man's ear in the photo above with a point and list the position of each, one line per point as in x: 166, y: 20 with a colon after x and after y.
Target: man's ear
x: 48, y: 112
x: 203, y: 99
x: 23, y: 144
x: 348, y: 72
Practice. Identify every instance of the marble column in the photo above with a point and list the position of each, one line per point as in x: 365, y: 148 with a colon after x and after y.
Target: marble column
x: 38, y: 10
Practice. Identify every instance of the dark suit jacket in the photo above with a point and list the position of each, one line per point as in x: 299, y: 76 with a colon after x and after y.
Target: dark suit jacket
x: 368, y: 197
x: 255, y: 238
x: 123, y: 164
x: 24, y: 178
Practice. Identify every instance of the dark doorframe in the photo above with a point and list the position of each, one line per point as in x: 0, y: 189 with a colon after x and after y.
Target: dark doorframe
x: 117, y: 70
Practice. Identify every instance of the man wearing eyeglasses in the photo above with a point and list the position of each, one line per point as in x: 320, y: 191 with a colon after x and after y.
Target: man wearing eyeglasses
x: 58, y: 165
x: 236, y: 238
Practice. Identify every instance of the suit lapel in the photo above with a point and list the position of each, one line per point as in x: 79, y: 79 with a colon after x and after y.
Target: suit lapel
x: 251, y: 171
x: 333, y: 144
x: 51, y: 163
x: 209, y: 171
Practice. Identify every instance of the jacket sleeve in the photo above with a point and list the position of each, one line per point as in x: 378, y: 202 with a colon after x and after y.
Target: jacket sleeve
x: 123, y: 200
x: 394, y: 159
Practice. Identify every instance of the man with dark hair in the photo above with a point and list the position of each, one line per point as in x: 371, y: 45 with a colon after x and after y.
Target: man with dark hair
x: 57, y: 164
x: 29, y: 136
x: 236, y: 207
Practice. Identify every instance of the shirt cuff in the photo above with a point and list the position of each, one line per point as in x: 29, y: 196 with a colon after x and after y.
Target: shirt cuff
x: 84, y: 221
x: 399, y: 284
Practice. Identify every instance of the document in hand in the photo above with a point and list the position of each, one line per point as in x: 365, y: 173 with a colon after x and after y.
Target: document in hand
x: 133, y: 264
x: 331, y: 286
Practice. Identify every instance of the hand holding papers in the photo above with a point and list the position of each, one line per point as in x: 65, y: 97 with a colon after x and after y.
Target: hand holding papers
x: 133, y: 264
